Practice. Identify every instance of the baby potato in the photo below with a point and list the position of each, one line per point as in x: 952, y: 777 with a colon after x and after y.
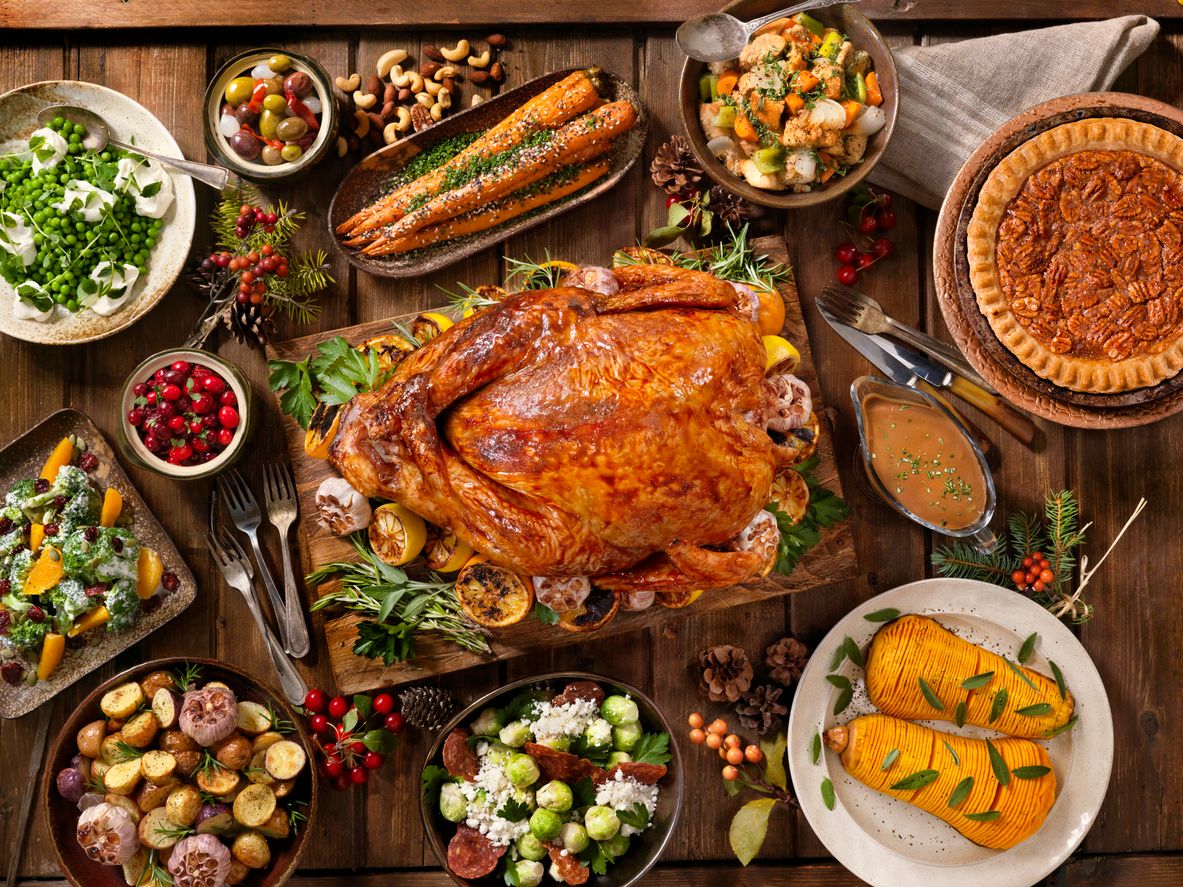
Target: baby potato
x: 253, y: 718
x: 175, y: 741
x: 156, y: 680
x: 90, y: 738
x: 98, y: 769
x: 157, y: 830
x: 257, y: 772
x: 126, y: 803
x: 217, y: 781
x: 284, y: 788
x: 187, y: 761
x: 252, y: 850
x: 234, y: 751
x: 264, y: 741
x: 149, y: 795
x: 238, y: 872
x: 278, y: 826
x: 123, y: 701
x: 158, y: 766
x: 183, y: 804
x: 123, y: 777
x: 109, y: 748
x: 140, y: 730
x: 254, y: 805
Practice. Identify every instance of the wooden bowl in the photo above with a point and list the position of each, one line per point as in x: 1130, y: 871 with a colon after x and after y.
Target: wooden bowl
x: 959, y: 305
x: 367, y: 181
x: 61, y: 816
x: 865, y: 36
x: 631, y: 867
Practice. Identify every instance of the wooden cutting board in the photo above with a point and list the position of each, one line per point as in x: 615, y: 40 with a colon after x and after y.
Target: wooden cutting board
x: 833, y: 560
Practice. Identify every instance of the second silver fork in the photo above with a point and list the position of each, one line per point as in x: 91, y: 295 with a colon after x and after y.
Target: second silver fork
x: 279, y: 495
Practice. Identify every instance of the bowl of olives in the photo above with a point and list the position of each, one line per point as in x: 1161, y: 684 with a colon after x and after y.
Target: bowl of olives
x: 270, y: 114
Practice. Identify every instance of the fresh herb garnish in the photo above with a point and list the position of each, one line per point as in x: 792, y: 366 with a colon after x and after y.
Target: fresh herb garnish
x: 636, y: 816
x: 1028, y: 647
x: 956, y: 760
x: 333, y: 375
x: 984, y: 816
x: 959, y: 714
x: 1063, y: 728
x: 961, y: 792
x: 545, y: 614
x: 1017, y: 670
x: 1033, y: 771
x: 186, y: 677
x: 853, y: 653
x: 916, y: 780
x: 1038, y: 710
x: 998, y: 763
x: 930, y: 696
x: 884, y: 615
x: 890, y: 758
x: 514, y: 810
x: 828, y: 793
x: 1059, y: 676
x: 978, y: 680
x: 815, y: 748
x: 997, y: 706
x: 652, y: 748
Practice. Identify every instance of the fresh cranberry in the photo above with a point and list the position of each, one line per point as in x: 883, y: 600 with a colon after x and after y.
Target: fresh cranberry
x: 394, y: 722
x: 225, y: 436
x: 199, y: 445
x: 359, y: 775
x: 176, y: 423
x: 203, y: 403
x: 150, y: 397
x: 59, y: 502
x: 172, y: 377
x: 96, y: 589
x: 159, y: 375
x: 846, y: 253
x: 210, y: 421
x: 315, y: 700
x: 319, y: 723
x: 384, y: 703
x: 180, y: 454
x: 169, y: 580
x: 865, y: 260
x: 116, y: 544
x: 227, y: 399
x: 883, y: 247
x: 40, y: 485
x: 171, y: 392
x: 135, y: 416
x: 12, y: 672
x: 155, y: 444
x: 168, y: 409
x: 228, y: 416
x: 373, y: 760
x: 213, y: 384
x: 91, y: 534
x: 35, y: 614
x: 196, y: 426
x: 5, y: 619
x: 337, y: 707
x: 847, y: 275
x: 886, y: 219
x: 140, y: 390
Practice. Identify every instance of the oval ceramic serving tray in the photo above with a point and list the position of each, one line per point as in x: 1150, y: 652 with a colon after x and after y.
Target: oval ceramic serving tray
x: 888, y: 842
x: 23, y: 457
x: 971, y: 331
x: 366, y: 181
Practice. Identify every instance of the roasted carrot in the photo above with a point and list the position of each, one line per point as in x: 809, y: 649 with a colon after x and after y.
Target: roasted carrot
x: 552, y: 107
x: 806, y: 80
x: 744, y: 128
x: 727, y: 82
x: 488, y: 217
x: 851, y: 107
x: 874, y: 93
x: 582, y: 139
x: 794, y: 102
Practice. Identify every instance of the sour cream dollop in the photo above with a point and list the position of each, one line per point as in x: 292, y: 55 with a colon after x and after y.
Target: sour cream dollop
x: 16, y: 238
x: 46, y: 149
x: 86, y: 200
x: 25, y: 304
x: 148, y: 182
x: 109, y: 288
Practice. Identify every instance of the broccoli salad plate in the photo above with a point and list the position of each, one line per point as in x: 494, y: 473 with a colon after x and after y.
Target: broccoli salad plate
x: 560, y: 780
x: 90, y: 240
x: 85, y: 569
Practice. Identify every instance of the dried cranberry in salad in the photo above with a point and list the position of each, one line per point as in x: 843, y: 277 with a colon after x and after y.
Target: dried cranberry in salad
x: 185, y: 413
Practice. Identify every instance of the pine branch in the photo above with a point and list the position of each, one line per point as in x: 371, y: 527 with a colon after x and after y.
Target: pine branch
x: 1025, y: 533
x: 960, y: 561
x: 1061, y: 515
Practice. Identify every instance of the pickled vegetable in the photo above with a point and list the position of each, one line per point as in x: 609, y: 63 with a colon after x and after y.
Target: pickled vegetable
x: 239, y: 90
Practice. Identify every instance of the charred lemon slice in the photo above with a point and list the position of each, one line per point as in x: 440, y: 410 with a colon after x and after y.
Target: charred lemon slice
x: 771, y: 313
x: 390, y: 348
x: 430, y: 324
x: 322, y: 428
x: 597, y: 610
x: 790, y: 495
x: 676, y: 600
x: 803, y: 441
x: 639, y: 255
x: 780, y: 355
x: 445, y: 552
x: 493, y: 596
x: 397, y: 534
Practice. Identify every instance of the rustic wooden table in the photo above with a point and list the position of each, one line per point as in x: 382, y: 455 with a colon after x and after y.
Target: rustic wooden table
x: 163, y: 54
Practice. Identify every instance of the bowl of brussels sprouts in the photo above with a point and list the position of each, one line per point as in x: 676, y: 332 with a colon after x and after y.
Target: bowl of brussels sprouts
x: 567, y: 777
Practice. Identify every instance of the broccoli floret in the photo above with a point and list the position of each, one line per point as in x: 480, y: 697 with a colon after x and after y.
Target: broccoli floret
x: 99, y: 561
x: 123, y: 603
x: 70, y: 481
x: 69, y: 601
x: 11, y: 541
x: 81, y: 511
x: 22, y: 491
x: 27, y: 634
x: 18, y: 570
x: 16, y: 604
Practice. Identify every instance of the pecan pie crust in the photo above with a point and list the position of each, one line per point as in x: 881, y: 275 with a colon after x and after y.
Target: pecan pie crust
x: 1076, y: 254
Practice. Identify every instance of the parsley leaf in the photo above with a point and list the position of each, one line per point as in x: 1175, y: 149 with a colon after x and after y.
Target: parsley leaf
x: 430, y: 780
x: 334, y: 374
x: 545, y: 614
x: 391, y: 643
x: 636, y: 816
x: 597, y: 754
x: 825, y: 510
x: 585, y: 792
x: 514, y: 810
x: 652, y: 748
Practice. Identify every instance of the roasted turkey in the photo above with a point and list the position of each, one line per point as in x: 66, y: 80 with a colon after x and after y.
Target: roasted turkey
x: 619, y: 427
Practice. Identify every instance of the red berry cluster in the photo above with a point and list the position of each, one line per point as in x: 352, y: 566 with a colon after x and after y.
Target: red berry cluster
x: 185, y: 413
x: 253, y: 266
x: 1035, y: 574
x: 354, y: 737
x: 869, y: 213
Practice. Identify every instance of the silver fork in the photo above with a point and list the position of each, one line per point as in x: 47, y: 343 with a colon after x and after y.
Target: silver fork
x: 235, y: 567
x: 279, y: 495
x: 866, y: 315
x: 244, y: 511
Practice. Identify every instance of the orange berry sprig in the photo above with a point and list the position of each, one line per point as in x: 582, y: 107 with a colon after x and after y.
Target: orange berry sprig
x: 740, y: 761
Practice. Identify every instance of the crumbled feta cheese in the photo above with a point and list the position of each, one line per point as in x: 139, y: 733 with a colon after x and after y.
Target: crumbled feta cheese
x: 487, y: 794
x: 566, y: 720
x: 621, y: 792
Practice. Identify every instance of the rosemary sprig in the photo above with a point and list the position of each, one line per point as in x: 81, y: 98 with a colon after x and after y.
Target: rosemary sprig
x: 279, y: 723
x: 400, y: 607
x: 124, y: 752
x: 526, y: 274
x: 209, y: 765
x: 187, y: 677
x: 295, y: 816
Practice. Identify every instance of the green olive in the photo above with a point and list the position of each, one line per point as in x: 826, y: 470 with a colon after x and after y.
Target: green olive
x: 272, y: 156
x: 239, y: 90
x: 291, y: 128
x: 292, y: 153
x: 276, y: 104
x: 279, y: 63
x: 268, y: 123
x: 274, y: 85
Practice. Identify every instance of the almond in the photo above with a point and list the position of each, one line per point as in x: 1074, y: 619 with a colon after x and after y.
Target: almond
x: 428, y: 68
x: 448, y: 85
x: 497, y: 72
x: 374, y: 85
x: 388, y: 111
x: 389, y: 93
x: 497, y: 41
x: 478, y: 76
x: 433, y: 52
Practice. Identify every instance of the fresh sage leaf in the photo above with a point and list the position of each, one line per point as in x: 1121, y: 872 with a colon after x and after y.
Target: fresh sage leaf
x: 956, y: 760
x: 998, y: 764
x: 839, y: 681
x: 985, y: 816
x: 916, y: 780
x: 884, y: 615
x: 960, y: 713
x: 828, y: 793
x: 977, y: 681
x: 961, y: 792
x: 853, y: 653
x: 1028, y: 647
x: 839, y: 657
x: 891, y: 757
x: 1063, y: 728
x: 1059, y: 676
x: 1034, y: 771
x: 1019, y: 672
x: 1038, y: 710
x: 815, y: 749
x: 933, y: 699
x: 998, y: 706
x: 843, y: 700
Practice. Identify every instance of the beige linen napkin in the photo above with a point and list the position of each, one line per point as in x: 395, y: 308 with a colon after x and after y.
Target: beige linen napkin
x: 955, y: 95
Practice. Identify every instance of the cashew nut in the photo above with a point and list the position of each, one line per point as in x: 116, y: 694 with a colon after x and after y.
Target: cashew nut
x: 348, y: 84
x: 444, y: 99
x: 432, y: 87
x: 390, y: 133
x: 364, y: 100
x: 409, y: 79
x: 476, y: 100
x: 342, y: 146
x: 480, y: 61
x: 403, y: 123
x: 426, y: 99
x: 390, y: 59
x: 445, y: 72
x: 456, y: 53
x: 362, y: 127
x: 437, y: 112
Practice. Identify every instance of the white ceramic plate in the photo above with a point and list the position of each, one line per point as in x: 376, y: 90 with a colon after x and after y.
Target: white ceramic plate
x: 128, y: 120
x: 886, y: 841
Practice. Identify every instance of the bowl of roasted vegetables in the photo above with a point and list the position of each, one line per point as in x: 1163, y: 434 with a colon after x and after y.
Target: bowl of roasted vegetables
x: 180, y: 772
x: 802, y: 115
x: 566, y: 778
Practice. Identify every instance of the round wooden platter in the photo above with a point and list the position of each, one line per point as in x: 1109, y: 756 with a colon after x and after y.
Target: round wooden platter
x: 970, y: 329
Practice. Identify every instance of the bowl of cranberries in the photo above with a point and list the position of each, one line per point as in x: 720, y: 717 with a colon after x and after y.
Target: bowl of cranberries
x: 185, y: 414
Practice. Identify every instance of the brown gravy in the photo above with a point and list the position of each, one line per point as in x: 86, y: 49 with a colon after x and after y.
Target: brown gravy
x: 925, y: 461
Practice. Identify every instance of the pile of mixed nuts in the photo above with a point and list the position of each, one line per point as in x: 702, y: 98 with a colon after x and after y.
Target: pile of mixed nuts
x: 398, y: 98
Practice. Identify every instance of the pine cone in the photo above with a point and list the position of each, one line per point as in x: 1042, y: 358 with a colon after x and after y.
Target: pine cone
x: 249, y: 323
x: 728, y: 207
x: 785, y: 660
x: 674, y: 167
x: 760, y: 709
x: 726, y: 673
x: 428, y: 708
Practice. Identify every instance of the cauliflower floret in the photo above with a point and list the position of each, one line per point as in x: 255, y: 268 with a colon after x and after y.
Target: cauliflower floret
x: 761, y: 46
x: 800, y: 133
x: 830, y: 75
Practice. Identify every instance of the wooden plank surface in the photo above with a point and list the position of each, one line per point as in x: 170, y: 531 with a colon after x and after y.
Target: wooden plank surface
x: 495, y: 14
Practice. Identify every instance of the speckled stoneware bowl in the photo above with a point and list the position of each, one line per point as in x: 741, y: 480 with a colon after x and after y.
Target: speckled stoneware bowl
x: 127, y: 120
x: 24, y: 458
x: 628, y: 869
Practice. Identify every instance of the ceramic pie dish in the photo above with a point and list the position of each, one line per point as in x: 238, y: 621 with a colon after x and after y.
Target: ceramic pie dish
x: 1103, y: 375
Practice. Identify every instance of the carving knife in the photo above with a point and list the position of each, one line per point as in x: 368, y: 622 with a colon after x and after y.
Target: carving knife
x: 908, y: 367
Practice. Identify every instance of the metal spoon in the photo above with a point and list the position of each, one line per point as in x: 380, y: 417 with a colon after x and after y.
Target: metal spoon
x: 98, y: 136
x: 717, y: 36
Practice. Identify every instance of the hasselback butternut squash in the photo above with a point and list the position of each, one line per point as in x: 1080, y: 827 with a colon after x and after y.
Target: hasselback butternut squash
x: 914, y: 649
x: 882, y: 751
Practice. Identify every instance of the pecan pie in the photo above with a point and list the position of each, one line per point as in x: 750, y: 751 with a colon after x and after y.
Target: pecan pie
x: 1076, y: 254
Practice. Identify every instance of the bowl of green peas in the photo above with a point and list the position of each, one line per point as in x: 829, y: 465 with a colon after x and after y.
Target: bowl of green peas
x: 90, y: 240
